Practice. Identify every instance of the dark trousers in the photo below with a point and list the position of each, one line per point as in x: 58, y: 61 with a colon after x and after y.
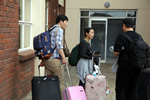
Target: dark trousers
x: 82, y: 84
x: 127, y: 84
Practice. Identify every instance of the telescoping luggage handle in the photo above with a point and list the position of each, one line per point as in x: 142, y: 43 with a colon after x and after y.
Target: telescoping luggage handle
x: 95, y: 55
x: 64, y: 74
x: 39, y: 70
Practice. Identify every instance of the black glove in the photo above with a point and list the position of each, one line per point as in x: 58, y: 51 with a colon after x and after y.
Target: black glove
x: 97, y: 52
x: 96, y: 60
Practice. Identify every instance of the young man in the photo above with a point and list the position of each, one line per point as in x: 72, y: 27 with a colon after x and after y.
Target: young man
x: 127, y: 77
x: 52, y: 65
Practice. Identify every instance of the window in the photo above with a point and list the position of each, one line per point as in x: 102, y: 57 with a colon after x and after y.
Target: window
x: 46, y: 14
x: 103, y: 13
x: 108, y: 13
x: 25, y: 24
x: 84, y: 13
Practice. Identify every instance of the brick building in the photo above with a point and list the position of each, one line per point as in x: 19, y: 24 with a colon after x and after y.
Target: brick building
x: 19, y: 23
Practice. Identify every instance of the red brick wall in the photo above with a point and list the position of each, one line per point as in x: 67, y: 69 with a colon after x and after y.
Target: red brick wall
x: 54, y: 10
x: 62, y: 9
x: 15, y: 76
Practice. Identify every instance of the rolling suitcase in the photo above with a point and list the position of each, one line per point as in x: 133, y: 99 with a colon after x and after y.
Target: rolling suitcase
x: 73, y: 92
x: 95, y: 85
x: 144, y: 86
x: 45, y: 87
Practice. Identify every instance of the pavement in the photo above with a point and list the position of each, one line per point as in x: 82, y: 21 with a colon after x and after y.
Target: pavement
x: 105, y: 70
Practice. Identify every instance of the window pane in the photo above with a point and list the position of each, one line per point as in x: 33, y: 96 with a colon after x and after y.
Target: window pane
x: 84, y: 13
x: 27, y: 10
x: 46, y: 27
x: 84, y: 24
x: 27, y: 36
x: 131, y: 14
x: 20, y: 36
x: 114, y: 28
x: 108, y: 13
x: 98, y: 42
x: 20, y: 10
x: 46, y: 14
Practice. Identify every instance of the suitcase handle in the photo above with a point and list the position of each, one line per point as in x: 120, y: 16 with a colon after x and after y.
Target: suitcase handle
x: 64, y: 74
x: 95, y: 55
x: 40, y: 65
x: 39, y: 70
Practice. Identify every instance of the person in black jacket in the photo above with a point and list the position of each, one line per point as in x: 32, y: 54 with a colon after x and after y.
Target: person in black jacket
x: 127, y: 76
x: 85, y: 53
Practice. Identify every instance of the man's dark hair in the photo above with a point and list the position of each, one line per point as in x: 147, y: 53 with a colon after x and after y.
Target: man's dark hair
x: 129, y: 22
x: 61, y: 17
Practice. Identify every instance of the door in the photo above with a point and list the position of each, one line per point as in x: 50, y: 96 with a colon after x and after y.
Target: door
x: 99, y: 42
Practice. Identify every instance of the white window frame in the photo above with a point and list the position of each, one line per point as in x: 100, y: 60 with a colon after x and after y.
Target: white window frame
x: 23, y: 23
x: 46, y: 14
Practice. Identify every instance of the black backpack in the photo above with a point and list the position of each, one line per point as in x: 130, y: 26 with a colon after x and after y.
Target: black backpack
x: 138, y: 53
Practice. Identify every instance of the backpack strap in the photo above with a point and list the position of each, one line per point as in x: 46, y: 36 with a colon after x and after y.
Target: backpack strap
x: 131, y: 40
x: 51, y: 29
x: 55, y: 37
x: 125, y: 35
x: 55, y: 33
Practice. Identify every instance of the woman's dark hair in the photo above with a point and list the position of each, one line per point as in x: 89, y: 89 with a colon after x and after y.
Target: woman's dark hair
x: 61, y: 17
x: 87, y: 30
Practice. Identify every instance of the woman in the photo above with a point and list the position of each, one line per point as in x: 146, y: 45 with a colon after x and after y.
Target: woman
x: 85, y: 53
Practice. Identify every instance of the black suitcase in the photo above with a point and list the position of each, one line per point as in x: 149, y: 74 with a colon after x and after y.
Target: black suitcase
x: 45, y: 88
x: 144, y: 86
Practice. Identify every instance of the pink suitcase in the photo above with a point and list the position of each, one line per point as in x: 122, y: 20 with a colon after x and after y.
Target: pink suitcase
x: 95, y: 86
x: 73, y: 92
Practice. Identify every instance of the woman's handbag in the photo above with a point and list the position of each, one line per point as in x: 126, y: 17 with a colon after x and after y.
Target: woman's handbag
x: 65, y: 49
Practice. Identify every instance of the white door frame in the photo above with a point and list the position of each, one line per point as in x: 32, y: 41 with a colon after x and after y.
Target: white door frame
x: 101, y: 19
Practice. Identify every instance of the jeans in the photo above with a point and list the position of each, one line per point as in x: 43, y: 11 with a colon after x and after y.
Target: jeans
x: 127, y: 84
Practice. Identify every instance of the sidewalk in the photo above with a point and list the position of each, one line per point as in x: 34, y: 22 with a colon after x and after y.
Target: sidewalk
x: 105, y: 69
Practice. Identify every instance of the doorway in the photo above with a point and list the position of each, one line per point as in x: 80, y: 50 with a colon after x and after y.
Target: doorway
x: 105, y: 33
x: 99, y: 42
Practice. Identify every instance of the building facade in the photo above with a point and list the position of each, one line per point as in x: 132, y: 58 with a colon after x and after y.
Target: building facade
x: 105, y: 16
x: 20, y: 21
